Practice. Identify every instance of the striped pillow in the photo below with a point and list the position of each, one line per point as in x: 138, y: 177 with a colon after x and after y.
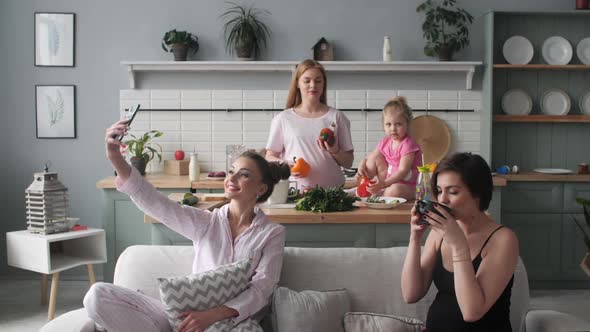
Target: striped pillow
x: 204, y: 290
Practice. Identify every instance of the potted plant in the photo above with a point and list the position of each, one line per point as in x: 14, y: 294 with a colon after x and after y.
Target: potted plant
x: 179, y: 42
x: 142, y: 150
x: 445, y: 28
x: 244, y: 32
x: 585, y: 265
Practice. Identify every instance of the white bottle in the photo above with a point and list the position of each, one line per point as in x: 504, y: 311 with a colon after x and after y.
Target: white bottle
x: 194, y: 168
x: 386, y: 49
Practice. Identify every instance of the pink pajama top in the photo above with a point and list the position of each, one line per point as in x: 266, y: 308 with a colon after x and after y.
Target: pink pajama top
x: 210, y: 233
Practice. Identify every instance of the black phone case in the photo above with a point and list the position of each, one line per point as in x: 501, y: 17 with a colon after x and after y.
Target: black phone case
x: 135, y: 110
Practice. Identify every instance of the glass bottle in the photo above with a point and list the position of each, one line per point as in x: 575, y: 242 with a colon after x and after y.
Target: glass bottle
x: 194, y: 168
x: 386, y: 48
x: 423, y: 183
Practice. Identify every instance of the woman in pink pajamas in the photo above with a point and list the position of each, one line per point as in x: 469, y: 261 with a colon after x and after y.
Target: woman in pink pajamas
x: 231, y: 233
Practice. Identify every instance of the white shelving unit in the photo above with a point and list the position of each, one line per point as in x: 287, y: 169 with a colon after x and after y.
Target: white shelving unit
x: 466, y: 67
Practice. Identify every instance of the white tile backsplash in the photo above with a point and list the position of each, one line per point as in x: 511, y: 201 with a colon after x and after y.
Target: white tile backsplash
x: 208, y: 132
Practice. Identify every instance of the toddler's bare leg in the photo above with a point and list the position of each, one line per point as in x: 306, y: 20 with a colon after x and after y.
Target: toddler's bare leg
x: 400, y: 190
x: 381, y: 166
x: 371, y: 164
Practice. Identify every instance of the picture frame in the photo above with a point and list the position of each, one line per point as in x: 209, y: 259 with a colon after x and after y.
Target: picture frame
x: 55, y: 111
x: 55, y: 39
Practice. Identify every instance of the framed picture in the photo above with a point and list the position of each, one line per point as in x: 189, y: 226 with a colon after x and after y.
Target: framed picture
x: 55, y: 111
x: 54, y: 39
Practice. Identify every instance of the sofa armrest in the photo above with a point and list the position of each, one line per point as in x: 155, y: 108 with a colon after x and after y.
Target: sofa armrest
x: 554, y: 321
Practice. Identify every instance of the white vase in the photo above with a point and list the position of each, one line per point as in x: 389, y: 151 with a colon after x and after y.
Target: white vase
x: 386, y: 49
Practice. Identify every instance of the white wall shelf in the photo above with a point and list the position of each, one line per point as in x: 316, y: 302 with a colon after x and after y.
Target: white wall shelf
x: 467, y: 67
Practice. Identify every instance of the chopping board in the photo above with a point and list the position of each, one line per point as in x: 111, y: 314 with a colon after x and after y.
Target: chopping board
x: 206, y: 202
x: 433, y: 136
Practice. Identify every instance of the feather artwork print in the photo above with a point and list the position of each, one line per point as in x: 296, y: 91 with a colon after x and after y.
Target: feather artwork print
x: 55, y: 107
x: 53, y: 38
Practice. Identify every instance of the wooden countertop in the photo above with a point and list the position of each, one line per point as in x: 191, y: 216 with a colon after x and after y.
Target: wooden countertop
x: 540, y: 177
x: 162, y: 180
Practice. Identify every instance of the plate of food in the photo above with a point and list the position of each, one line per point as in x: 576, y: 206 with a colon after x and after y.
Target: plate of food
x: 382, y: 202
x: 216, y: 176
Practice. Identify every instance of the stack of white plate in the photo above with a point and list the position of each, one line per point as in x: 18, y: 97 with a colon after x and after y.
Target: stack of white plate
x: 516, y: 102
x: 555, y: 102
x: 557, y: 51
x: 518, y: 50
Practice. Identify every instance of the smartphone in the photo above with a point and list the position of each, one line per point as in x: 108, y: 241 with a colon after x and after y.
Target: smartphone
x: 129, y: 115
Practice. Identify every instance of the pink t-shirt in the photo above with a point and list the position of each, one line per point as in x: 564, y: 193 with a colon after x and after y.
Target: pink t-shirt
x: 292, y: 135
x: 394, y: 156
x: 263, y: 241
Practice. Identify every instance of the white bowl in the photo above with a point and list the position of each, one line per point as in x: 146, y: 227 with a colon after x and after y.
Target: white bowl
x: 518, y: 50
x: 557, y: 51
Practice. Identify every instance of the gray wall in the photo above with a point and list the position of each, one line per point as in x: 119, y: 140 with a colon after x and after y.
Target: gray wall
x: 108, y: 32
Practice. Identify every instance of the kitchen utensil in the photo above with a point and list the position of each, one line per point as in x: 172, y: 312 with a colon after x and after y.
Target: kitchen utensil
x: 516, y: 102
x: 433, y: 136
x: 552, y: 171
x: 518, y: 50
x: 557, y: 50
x: 583, y: 51
x: 555, y: 102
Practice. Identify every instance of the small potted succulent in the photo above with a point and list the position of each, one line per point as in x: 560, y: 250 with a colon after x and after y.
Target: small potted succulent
x: 143, y: 149
x: 585, y: 230
x: 245, y: 33
x: 179, y: 42
x: 445, y: 28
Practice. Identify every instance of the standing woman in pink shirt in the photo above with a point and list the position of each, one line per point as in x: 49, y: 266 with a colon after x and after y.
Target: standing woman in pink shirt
x: 236, y: 231
x: 294, y: 133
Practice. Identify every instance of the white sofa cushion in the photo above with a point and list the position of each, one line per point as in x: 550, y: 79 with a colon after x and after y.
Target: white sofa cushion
x: 365, y: 321
x: 75, y: 320
x: 309, y: 310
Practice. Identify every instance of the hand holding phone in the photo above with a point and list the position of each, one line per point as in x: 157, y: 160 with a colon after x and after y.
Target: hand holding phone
x: 129, y: 116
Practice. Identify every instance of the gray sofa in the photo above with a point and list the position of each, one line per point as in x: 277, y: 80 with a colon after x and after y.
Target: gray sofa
x: 371, y: 276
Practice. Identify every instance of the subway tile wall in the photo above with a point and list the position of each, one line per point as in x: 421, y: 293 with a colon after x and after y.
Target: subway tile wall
x: 208, y: 132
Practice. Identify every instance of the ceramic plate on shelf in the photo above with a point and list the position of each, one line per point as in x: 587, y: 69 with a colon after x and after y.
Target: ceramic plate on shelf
x: 518, y: 50
x: 555, y: 102
x: 583, y: 51
x: 553, y: 170
x: 517, y: 102
x: 557, y: 51
x: 585, y: 104
x: 388, y: 202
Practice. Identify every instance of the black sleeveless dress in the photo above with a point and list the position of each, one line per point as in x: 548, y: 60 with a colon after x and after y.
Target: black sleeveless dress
x: 444, y: 313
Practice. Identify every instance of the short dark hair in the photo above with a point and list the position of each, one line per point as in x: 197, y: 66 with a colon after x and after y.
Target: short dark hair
x: 271, y: 172
x: 475, y: 174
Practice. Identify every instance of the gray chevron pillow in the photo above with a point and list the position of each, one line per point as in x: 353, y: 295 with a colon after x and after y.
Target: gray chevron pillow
x: 204, y: 290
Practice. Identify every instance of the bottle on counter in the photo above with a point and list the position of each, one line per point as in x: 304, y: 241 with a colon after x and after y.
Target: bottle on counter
x: 386, y: 48
x: 423, y: 183
x: 194, y: 168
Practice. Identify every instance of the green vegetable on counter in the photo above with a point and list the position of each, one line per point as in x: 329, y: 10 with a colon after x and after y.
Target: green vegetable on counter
x: 189, y: 199
x: 375, y: 199
x: 319, y: 199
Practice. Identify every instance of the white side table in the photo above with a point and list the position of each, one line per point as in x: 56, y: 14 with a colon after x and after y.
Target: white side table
x: 51, y: 254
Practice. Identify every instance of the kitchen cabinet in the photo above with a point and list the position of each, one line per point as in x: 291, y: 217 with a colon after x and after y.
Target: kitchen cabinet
x: 535, y: 140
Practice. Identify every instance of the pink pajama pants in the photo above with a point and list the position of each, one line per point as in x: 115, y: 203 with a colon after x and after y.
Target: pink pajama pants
x: 119, y: 309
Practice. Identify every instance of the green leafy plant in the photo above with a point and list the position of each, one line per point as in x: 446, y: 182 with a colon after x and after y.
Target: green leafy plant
x: 319, y: 199
x: 585, y: 231
x: 243, y: 30
x: 444, y: 27
x: 174, y: 37
x: 143, y: 147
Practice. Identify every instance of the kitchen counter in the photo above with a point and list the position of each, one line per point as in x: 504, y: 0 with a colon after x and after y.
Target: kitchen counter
x: 162, y: 180
x: 398, y: 215
x: 540, y: 177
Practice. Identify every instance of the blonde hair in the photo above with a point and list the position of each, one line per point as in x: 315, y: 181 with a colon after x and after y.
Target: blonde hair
x: 399, y: 103
x: 294, y: 96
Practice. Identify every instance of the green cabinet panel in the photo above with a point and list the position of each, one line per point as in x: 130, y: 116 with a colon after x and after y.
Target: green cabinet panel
x: 573, y: 250
x: 539, y: 236
x: 535, y: 197
x: 571, y: 191
x: 162, y: 235
x: 330, y: 235
x: 392, y: 235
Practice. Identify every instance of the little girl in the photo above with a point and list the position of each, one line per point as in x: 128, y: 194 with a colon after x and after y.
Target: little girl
x: 397, y: 156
